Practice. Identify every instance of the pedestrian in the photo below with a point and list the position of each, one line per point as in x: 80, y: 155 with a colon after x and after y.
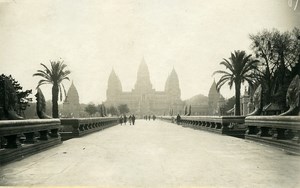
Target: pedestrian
x: 149, y: 117
x: 178, y: 118
x: 133, y: 119
x: 153, y: 117
x: 129, y: 119
x: 125, y: 119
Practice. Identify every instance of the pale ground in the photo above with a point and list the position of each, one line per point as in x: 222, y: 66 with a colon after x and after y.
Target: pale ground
x: 156, y: 154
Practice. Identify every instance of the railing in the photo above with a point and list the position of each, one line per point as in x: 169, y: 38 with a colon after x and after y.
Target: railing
x: 76, y: 127
x: 279, y: 131
x: 26, y: 137
x: 171, y: 119
x: 228, y: 125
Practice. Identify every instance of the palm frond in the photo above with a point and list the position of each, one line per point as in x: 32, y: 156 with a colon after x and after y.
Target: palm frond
x: 221, y: 72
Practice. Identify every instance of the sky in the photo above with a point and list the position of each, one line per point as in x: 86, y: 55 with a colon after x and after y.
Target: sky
x: 94, y: 36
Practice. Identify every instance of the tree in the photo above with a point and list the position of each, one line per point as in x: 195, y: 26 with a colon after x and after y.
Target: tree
x: 112, y: 110
x: 279, y: 54
x: 104, y: 110
x: 241, y: 68
x: 54, y: 75
x: 229, y: 104
x: 123, y: 108
x: 90, y: 109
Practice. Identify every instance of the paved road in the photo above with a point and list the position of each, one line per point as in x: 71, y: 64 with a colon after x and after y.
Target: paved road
x: 156, y: 154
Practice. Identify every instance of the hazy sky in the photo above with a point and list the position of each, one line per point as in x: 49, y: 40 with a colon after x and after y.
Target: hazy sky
x: 94, y: 36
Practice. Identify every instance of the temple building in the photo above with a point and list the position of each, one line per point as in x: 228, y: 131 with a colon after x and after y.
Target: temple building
x: 71, y: 106
x: 215, y: 100
x: 144, y: 99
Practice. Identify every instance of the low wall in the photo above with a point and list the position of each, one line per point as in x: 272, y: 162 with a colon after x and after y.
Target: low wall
x: 279, y: 131
x: 21, y: 138
x: 76, y: 127
x: 227, y: 125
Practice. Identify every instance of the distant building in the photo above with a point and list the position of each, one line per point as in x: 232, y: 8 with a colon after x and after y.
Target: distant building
x: 71, y: 106
x: 143, y: 99
x: 203, y: 105
x: 199, y: 104
x: 215, y: 100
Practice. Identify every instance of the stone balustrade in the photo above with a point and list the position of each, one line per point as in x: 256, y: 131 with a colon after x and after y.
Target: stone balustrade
x: 76, y: 127
x: 228, y: 125
x: 279, y: 131
x: 20, y: 138
x: 170, y: 119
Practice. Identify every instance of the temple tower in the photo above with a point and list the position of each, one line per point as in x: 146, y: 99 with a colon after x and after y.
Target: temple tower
x: 143, y: 84
x: 172, y: 86
x: 71, y: 106
x: 114, y: 87
x: 173, y: 92
x: 213, y: 99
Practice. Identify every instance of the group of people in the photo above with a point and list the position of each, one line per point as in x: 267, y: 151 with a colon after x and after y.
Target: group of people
x: 123, y: 119
x: 148, y: 117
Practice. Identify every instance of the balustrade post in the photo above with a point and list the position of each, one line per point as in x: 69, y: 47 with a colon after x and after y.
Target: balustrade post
x: 218, y: 126
x: 263, y: 132
x: 54, y: 133
x: 12, y: 141
x: 30, y: 138
x: 296, y: 136
x: 212, y: 125
x: 43, y: 135
x: 279, y: 134
x: 81, y: 127
x: 289, y: 134
x: 251, y: 130
x: 225, y: 126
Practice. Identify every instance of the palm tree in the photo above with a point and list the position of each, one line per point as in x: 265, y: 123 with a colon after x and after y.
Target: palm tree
x: 241, y: 67
x: 54, y: 75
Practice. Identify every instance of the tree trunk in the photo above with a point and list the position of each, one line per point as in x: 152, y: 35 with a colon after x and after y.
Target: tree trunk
x: 55, y: 91
x: 237, y: 98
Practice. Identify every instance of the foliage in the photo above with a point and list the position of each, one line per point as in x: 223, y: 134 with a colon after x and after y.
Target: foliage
x: 22, y: 96
x: 123, y: 108
x: 240, y: 69
x: 91, y: 109
x: 99, y: 109
x: 54, y: 75
x: 279, y: 54
x: 229, y: 104
x: 112, y: 110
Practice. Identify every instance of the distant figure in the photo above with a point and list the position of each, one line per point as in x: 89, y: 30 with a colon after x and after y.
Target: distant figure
x: 121, y: 120
x: 125, y: 119
x: 149, y: 117
x: 129, y: 119
x: 153, y: 117
x: 178, y: 119
x: 133, y: 119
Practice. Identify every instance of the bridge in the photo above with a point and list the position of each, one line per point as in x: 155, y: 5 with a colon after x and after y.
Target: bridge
x: 153, y: 154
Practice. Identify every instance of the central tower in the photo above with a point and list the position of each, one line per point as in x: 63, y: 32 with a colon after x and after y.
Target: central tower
x: 143, y: 84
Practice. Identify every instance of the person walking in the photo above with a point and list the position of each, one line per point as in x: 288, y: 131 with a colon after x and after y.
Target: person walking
x: 125, y: 119
x: 133, y: 119
x: 178, y: 118
x: 153, y: 117
x: 129, y: 119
